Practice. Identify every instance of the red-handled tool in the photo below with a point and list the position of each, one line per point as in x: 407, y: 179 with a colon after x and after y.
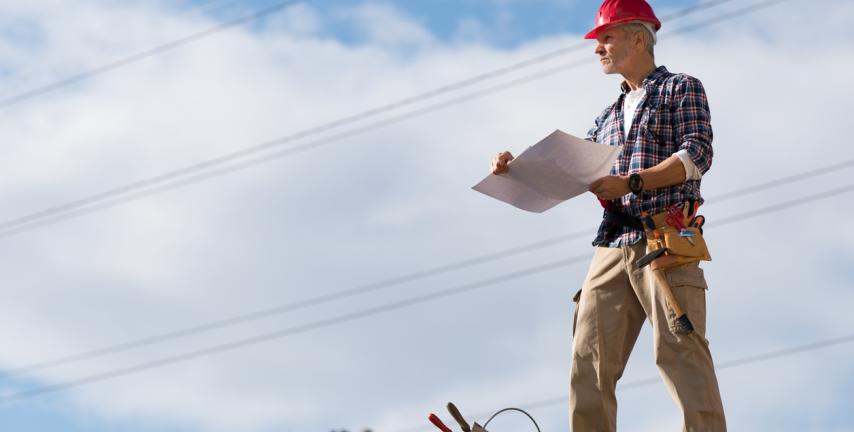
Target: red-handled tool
x: 438, y: 423
x: 674, y: 218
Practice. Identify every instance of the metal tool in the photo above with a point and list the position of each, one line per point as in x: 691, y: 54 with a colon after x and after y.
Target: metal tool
x: 455, y: 413
x: 648, y: 258
x: 687, y: 235
x: 438, y: 423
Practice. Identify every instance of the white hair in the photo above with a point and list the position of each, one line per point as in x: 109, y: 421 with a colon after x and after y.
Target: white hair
x: 648, y: 30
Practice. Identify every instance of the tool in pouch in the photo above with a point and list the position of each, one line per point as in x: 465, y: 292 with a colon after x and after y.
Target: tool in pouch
x: 464, y: 425
x: 671, y: 243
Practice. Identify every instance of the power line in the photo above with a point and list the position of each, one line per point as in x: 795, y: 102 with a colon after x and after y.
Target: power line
x: 288, y: 307
x: 180, y: 358
x: 125, y: 346
x: 292, y: 330
x: 418, y: 275
x: 240, y: 154
x: 351, y: 292
x: 744, y: 361
x: 125, y: 61
x: 322, y: 299
x: 151, y: 52
x: 785, y: 180
x: 730, y: 15
x: 173, y: 179
x: 137, y: 190
x: 786, y: 204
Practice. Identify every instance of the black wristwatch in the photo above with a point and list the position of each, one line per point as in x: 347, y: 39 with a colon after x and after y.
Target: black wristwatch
x: 636, y: 184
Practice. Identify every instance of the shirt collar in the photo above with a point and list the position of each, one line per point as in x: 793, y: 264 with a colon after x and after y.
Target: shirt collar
x: 653, y: 77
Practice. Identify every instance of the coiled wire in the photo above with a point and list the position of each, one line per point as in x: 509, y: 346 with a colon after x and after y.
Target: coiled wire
x: 512, y: 409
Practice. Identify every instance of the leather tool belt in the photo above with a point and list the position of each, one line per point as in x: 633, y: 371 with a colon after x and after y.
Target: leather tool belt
x: 670, y: 246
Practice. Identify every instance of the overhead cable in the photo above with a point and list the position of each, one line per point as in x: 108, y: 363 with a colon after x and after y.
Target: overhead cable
x: 277, y: 7
x: 418, y: 275
x: 732, y: 364
x: 448, y: 292
x: 142, y: 55
x: 785, y: 180
x: 219, y: 166
x: 348, y: 317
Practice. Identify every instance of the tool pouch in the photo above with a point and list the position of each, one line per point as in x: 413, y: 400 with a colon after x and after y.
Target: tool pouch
x: 676, y: 244
x: 680, y: 250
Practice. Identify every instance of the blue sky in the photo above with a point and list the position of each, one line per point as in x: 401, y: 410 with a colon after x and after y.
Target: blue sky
x: 382, y: 204
x: 508, y: 23
x: 52, y: 413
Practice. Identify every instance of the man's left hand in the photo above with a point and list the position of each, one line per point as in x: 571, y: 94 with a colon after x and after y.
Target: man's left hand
x: 610, y: 187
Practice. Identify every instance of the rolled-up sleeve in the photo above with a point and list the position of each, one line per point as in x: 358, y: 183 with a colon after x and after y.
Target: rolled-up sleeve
x: 692, y: 122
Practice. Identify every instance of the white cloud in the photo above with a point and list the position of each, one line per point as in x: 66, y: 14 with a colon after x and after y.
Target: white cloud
x: 382, y: 204
x: 300, y: 19
x: 383, y: 25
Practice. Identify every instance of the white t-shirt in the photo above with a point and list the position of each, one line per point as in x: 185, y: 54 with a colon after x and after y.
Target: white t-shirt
x: 630, y: 104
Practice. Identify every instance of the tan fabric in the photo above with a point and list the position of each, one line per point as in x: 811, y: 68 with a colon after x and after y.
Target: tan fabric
x: 680, y: 250
x: 615, y: 300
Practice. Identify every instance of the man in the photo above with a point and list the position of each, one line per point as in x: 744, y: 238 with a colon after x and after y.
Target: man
x: 662, y: 120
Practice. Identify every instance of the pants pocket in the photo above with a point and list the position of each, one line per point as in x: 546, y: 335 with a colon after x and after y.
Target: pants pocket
x: 689, y: 287
x: 688, y: 274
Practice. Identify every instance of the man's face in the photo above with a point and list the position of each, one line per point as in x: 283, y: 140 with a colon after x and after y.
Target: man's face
x: 613, y: 49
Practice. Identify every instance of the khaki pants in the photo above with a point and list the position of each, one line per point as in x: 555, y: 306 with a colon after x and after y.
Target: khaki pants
x: 614, y: 302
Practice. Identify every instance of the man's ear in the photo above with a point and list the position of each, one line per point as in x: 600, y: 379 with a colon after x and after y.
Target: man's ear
x: 638, y: 39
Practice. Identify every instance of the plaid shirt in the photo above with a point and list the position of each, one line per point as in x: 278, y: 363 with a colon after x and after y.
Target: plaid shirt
x: 674, y: 115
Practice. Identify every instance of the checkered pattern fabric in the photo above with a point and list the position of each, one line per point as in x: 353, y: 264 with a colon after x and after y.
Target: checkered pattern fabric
x: 674, y: 115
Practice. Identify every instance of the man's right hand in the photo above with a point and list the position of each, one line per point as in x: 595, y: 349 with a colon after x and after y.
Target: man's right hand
x: 500, y: 162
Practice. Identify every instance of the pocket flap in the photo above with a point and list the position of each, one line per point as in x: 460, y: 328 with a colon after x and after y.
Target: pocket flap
x: 678, y: 245
x: 687, y: 275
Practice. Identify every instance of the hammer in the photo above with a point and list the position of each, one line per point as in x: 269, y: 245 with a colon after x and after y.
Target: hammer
x: 683, y: 324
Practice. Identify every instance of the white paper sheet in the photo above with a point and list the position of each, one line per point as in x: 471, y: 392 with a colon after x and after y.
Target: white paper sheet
x: 558, y: 168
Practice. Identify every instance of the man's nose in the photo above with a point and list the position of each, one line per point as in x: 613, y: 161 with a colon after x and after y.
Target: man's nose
x: 600, y: 49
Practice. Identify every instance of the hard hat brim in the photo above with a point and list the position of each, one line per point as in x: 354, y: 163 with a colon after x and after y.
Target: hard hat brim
x: 593, y: 34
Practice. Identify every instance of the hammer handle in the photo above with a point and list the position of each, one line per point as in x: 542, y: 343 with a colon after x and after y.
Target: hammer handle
x: 668, y: 292
x: 455, y: 413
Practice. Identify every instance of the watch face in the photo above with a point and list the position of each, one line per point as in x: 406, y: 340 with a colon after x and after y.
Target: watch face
x: 635, y: 183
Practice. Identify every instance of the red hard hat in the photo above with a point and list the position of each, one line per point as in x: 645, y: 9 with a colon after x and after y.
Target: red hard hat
x: 621, y: 11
